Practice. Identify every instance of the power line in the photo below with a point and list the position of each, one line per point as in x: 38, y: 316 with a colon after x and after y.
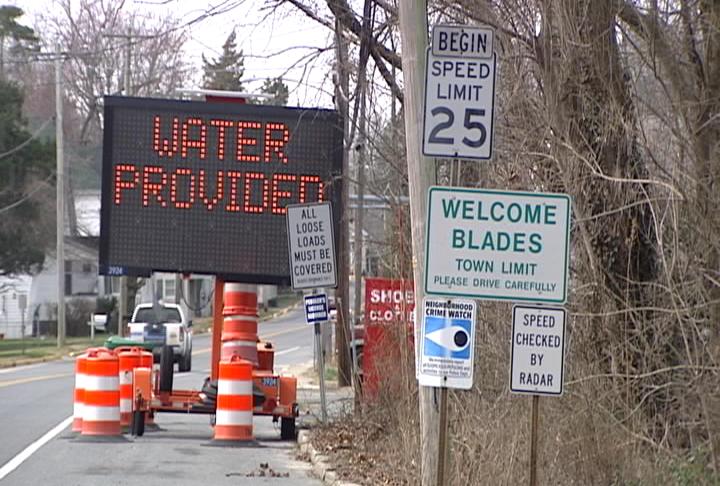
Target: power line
x: 30, y: 194
x: 219, y: 9
x: 26, y: 142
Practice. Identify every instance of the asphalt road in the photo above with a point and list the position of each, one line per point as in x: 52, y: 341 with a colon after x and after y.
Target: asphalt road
x: 37, y: 447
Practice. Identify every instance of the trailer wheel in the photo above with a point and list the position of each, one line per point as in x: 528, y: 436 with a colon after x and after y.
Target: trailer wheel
x: 287, y: 428
x: 185, y: 362
x: 166, y: 369
x: 137, y: 428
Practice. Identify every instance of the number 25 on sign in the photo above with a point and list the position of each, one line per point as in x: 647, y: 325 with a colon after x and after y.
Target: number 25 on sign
x: 459, y: 93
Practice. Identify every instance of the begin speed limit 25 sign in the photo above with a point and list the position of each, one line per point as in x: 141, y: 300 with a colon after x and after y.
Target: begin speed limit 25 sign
x: 459, y: 93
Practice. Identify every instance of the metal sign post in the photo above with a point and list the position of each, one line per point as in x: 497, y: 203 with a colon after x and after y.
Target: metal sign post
x: 534, y: 439
x: 22, y: 304
x: 446, y: 357
x: 321, y: 362
x: 311, y: 245
x: 537, y: 363
x: 316, y: 311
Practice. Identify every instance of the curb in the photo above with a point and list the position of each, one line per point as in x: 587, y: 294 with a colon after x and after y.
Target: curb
x: 72, y: 354
x: 44, y: 359
x: 320, y: 465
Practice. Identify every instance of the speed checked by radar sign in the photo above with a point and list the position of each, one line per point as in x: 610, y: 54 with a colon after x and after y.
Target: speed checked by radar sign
x: 538, y: 350
x: 459, y: 93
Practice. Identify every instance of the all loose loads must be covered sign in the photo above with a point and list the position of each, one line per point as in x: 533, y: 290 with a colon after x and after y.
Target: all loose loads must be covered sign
x: 311, y: 242
x: 503, y: 245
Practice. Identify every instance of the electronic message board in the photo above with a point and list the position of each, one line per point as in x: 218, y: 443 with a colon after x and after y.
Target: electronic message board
x: 199, y: 187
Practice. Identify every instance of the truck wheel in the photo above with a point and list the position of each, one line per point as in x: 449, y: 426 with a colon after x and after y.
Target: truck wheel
x: 166, y: 369
x: 137, y: 428
x: 287, y: 428
x: 185, y: 363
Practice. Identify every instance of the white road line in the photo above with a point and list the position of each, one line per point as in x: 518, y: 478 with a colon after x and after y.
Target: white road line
x: 286, y: 351
x: 13, y: 463
x: 20, y: 368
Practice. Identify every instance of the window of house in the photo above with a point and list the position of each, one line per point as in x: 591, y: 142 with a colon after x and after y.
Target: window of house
x: 68, y: 284
x: 112, y: 285
x: 168, y: 289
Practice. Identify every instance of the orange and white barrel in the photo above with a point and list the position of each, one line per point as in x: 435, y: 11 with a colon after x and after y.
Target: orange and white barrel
x: 234, y: 413
x: 129, y: 358
x: 239, y: 333
x: 79, y: 394
x: 101, y: 400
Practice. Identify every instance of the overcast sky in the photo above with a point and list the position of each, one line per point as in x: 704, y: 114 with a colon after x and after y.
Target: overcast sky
x: 260, y: 34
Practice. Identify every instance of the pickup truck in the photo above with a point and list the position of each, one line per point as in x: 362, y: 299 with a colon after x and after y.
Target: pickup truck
x: 161, y: 325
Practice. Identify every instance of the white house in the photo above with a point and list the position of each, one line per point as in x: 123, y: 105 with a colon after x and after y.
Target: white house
x: 38, y: 294
x: 82, y: 283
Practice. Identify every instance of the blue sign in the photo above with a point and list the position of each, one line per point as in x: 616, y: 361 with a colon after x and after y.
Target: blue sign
x: 447, y: 343
x: 316, y: 308
x: 447, y: 338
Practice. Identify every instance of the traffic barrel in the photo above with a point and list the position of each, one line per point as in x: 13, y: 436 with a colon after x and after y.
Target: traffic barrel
x: 234, y: 412
x: 79, y: 393
x: 129, y: 358
x: 239, y: 333
x: 101, y: 400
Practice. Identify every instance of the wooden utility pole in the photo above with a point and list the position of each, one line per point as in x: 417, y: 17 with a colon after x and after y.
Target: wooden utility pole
x: 123, y: 311
x: 360, y: 208
x: 60, y: 202
x: 343, y: 325
x: 361, y: 151
x: 421, y: 175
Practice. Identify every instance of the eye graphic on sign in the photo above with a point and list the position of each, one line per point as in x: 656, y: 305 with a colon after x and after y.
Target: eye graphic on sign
x: 454, y: 338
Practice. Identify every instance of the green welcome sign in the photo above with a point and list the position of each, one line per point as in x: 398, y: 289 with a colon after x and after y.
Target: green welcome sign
x: 499, y: 245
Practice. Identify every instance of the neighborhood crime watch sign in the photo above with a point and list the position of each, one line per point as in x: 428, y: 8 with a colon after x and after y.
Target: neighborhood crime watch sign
x: 538, y: 350
x: 447, y: 343
x: 197, y: 187
x: 498, y: 245
x: 312, y: 246
x: 459, y: 93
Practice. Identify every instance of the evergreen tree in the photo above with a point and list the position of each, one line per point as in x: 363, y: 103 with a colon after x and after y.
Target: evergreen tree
x: 24, y: 162
x: 278, y: 91
x: 21, y: 38
x: 226, y: 71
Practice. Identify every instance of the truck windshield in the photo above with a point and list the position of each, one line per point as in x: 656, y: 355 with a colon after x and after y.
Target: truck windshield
x: 166, y: 314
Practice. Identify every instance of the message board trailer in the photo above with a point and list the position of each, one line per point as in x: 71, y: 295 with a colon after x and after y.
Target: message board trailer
x: 196, y: 187
x: 538, y: 350
x: 311, y: 245
x: 447, y: 343
x: 499, y: 245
